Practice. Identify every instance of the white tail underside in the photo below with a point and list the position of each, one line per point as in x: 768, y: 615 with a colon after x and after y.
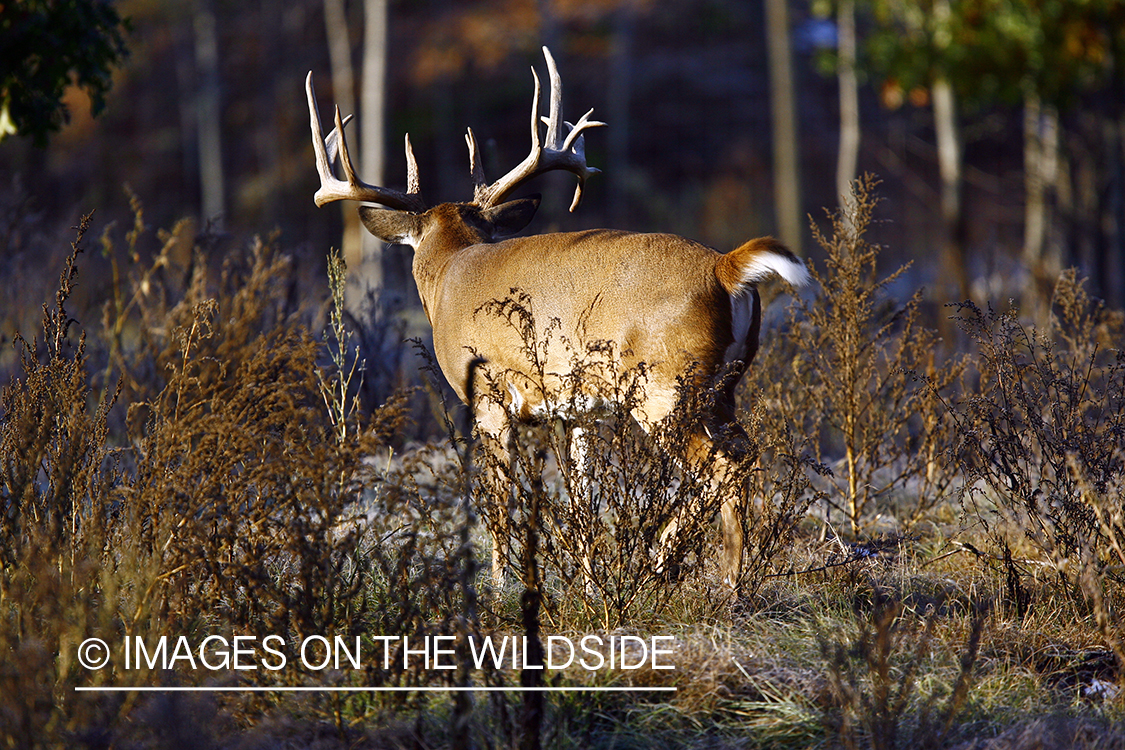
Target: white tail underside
x: 766, y: 264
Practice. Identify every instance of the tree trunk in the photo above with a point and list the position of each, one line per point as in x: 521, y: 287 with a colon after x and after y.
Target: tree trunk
x: 367, y: 281
x: 848, y: 157
x: 1113, y: 218
x: 208, y: 113
x: 184, y: 41
x: 1040, y: 164
x: 950, y: 168
x: 343, y: 94
x: 786, y: 175
x: 268, y: 141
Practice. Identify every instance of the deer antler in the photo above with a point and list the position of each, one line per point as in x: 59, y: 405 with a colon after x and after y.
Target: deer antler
x: 556, y: 152
x: 352, y: 188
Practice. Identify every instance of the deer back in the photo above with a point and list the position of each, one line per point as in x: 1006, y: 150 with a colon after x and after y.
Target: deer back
x: 601, y: 300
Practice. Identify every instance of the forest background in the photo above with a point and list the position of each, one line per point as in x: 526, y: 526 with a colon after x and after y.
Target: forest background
x: 937, y: 547
x: 997, y: 127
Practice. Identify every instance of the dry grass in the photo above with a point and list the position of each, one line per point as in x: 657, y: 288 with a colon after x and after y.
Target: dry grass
x: 201, y: 464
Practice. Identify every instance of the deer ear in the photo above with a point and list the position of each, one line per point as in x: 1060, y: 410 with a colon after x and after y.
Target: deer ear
x: 512, y: 216
x: 391, y: 226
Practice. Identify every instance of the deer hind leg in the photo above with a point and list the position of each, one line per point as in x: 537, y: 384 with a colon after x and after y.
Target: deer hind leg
x: 731, y: 506
x: 721, y: 461
x: 498, y: 495
x: 740, y: 455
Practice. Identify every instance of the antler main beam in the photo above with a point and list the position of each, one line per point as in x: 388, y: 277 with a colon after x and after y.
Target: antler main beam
x: 557, y: 152
x: 351, y: 187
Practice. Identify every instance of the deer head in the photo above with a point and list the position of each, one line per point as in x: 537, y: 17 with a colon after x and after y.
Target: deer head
x: 557, y: 152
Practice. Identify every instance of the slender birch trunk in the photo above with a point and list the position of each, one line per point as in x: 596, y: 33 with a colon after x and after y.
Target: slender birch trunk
x: 1040, y: 164
x: 848, y: 158
x: 208, y: 114
x: 343, y: 94
x: 950, y: 168
x: 369, y: 281
x: 786, y: 166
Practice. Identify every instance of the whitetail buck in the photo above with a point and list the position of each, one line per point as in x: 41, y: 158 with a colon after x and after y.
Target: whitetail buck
x: 675, y: 305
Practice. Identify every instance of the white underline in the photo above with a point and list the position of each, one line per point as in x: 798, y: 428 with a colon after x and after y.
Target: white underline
x: 303, y: 689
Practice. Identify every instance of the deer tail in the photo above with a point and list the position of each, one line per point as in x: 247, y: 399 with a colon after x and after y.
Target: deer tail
x: 757, y: 260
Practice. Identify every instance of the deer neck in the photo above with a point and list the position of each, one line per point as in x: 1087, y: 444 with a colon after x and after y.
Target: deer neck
x: 433, y: 253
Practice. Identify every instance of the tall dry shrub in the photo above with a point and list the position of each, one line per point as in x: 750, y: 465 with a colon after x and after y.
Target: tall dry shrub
x: 223, y: 501
x: 595, y: 523
x: 239, y: 484
x: 57, y: 476
x: 598, y: 514
x: 414, y: 563
x: 1041, y: 445
x: 856, y: 372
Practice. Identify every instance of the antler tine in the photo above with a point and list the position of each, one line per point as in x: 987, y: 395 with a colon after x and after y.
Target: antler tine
x: 475, y: 168
x: 413, y: 184
x: 320, y: 145
x: 574, y: 133
x: 576, y: 143
x: 555, y: 152
x: 555, y: 107
x: 345, y: 158
x: 535, y: 112
x: 332, y: 142
x: 352, y: 188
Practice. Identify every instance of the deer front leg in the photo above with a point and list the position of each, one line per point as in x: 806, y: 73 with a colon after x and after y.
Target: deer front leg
x: 584, y: 509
